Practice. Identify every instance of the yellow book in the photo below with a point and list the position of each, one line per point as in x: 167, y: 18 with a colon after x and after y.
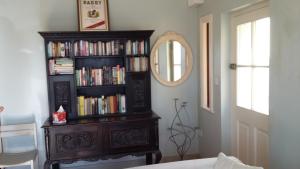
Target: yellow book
x: 81, y: 105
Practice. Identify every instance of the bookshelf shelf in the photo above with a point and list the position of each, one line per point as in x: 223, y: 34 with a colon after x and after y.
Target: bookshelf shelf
x: 59, y: 57
x: 139, y: 72
x: 102, y: 86
x: 108, y: 95
x: 99, y: 57
x: 71, y: 75
x: 138, y: 55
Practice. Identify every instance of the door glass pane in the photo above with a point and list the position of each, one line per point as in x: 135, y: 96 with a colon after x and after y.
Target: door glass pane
x: 244, y: 87
x: 177, y: 52
x: 244, y: 44
x: 177, y: 72
x: 261, y: 49
x: 260, y: 90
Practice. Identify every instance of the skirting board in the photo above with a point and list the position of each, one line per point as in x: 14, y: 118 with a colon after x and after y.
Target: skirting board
x: 123, y: 162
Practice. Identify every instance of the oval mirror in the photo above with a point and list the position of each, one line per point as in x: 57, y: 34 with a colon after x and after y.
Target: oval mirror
x: 171, y: 59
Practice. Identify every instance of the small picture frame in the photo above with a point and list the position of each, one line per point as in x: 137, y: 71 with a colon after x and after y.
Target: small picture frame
x: 93, y: 15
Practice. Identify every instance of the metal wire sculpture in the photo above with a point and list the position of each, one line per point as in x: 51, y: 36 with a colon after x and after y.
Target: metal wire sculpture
x: 179, y: 130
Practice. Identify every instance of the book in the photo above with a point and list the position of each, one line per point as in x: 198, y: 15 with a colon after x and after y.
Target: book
x: 61, y: 66
x: 137, y: 64
x: 101, y: 105
x: 58, y: 49
x: 96, y: 48
x: 106, y: 75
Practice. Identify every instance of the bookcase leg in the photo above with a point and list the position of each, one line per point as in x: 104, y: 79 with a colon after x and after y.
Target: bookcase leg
x: 55, y: 166
x: 47, y: 165
x: 149, y: 159
x: 158, y: 157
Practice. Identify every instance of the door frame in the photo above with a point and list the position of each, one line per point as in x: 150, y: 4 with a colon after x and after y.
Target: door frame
x: 250, y: 13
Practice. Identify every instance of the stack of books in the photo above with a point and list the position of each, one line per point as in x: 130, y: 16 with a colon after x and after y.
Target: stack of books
x: 87, y: 48
x: 136, y: 47
x: 58, y: 49
x: 100, y: 106
x: 61, y: 66
x: 106, y: 75
x: 137, y: 64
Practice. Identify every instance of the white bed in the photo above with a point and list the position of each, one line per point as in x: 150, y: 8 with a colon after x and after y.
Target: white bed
x: 206, y: 163
x: 222, y: 162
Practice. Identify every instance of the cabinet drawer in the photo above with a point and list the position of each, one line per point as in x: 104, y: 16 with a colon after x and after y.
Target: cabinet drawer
x: 125, y: 138
x: 79, y: 141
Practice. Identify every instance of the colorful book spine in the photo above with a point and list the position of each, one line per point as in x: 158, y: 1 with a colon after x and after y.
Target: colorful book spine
x: 98, y: 48
x: 102, y: 105
x: 103, y: 76
x: 58, y: 49
x: 137, y: 64
x: 136, y: 47
x: 61, y: 66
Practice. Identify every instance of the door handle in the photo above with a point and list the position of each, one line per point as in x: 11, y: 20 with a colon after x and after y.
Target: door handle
x: 232, y: 66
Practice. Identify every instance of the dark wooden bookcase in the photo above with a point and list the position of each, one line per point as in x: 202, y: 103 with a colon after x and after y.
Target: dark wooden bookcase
x: 132, y: 128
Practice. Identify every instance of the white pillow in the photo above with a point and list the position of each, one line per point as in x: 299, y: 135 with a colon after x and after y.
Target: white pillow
x: 243, y: 166
x: 224, y: 162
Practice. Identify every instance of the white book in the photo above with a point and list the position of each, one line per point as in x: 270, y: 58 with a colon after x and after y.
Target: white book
x: 142, y: 45
x: 136, y: 65
x: 123, y: 104
x: 62, y: 49
x: 49, y: 49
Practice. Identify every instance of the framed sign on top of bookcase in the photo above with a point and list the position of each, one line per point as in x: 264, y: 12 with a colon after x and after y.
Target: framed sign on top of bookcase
x: 93, y: 15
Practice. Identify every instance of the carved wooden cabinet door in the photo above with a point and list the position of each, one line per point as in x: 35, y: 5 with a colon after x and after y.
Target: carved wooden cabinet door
x: 79, y: 141
x: 130, y: 137
x: 62, y: 93
x: 138, y: 93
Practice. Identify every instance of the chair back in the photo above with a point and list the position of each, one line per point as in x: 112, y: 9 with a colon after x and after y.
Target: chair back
x: 18, y: 130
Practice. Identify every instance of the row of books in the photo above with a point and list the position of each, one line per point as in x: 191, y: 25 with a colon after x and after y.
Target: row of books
x: 137, y: 64
x: 87, y: 48
x: 106, y: 75
x: 59, y: 49
x: 61, y: 66
x: 136, y: 47
x: 100, y: 106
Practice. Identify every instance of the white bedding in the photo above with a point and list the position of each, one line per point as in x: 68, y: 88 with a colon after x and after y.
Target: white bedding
x: 206, y: 163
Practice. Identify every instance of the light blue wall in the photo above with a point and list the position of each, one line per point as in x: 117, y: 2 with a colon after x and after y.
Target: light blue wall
x: 23, y: 88
x: 162, y: 16
x: 216, y: 126
x: 285, y: 82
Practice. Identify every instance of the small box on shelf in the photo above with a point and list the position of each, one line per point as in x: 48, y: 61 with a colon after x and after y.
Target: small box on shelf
x: 60, y: 116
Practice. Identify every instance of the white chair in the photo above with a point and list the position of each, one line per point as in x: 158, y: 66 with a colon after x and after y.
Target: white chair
x: 19, y: 158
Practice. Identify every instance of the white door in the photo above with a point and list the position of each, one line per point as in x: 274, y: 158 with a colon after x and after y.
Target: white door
x: 250, y: 85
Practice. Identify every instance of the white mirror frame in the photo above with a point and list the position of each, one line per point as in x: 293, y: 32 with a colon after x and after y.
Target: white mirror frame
x: 188, y: 61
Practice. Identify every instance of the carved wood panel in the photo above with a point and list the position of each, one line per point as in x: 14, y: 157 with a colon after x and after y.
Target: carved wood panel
x: 62, y: 95
x: 78, y: 141
x: 129, y: 137
x: 139, y: 91
x: 62, y: 92
x: 74, y: 141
